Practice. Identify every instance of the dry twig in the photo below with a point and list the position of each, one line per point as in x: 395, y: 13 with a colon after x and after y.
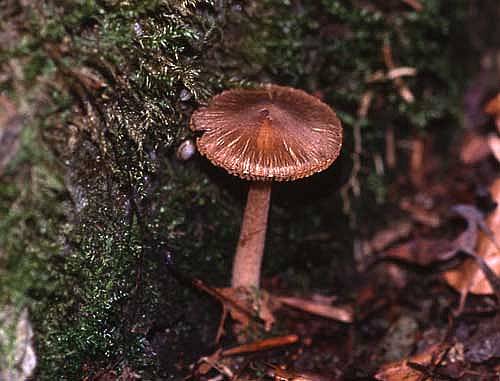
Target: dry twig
x: 343, y: 314
x: 261, y: 345
x: 353, y: 182
x: 403, y: 89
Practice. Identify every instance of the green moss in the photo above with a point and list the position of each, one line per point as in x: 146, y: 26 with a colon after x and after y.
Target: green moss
x: 96, y: 194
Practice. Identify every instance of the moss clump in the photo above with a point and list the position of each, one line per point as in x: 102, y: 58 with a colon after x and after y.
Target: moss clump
x: 99, y: 293
x: 110, y: 86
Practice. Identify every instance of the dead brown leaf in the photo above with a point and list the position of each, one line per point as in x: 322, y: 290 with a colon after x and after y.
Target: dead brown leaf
x: 468, y: 277
x: 479, y: 240
x: 425, y: 251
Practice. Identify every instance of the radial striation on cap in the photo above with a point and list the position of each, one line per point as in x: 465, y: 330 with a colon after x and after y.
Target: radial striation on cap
x: 270, y: 133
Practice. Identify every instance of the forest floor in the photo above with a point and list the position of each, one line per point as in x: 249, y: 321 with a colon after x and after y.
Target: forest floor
x: 426, y: 307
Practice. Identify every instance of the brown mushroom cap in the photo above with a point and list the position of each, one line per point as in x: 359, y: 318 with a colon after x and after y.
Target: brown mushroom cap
x: 270, y: 133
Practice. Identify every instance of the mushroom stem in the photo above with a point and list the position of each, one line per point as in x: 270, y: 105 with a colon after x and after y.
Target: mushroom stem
x: 248, y: 258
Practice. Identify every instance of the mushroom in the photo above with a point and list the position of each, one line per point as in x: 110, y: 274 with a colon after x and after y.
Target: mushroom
x: 272, y: 133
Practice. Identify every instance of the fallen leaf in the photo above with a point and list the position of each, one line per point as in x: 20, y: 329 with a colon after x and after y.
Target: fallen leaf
x: 479, y: 236
x: 468, y: 277
x: 466, y: 241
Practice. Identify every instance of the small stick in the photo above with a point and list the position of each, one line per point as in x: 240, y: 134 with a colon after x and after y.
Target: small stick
x: 364, y: 104
x: 262, y: 345
x: 392, y: 74
x: 336, y: 313
x: 404, y: 91
x: 220, y: 328
x: 402, y: 71
x: 353, y: 183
